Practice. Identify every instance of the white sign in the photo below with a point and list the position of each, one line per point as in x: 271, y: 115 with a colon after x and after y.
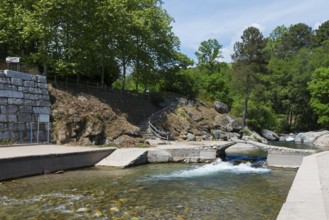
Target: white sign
x: 12, y: 59
x: 43, y: 118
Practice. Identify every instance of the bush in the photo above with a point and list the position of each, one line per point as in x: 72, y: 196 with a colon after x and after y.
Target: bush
x: 260, y: 115
x: 182, y: 82
x: 215, y: 87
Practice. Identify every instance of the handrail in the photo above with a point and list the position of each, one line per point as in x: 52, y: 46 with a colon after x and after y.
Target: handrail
x: 154, y: 117
x: 160, y: 134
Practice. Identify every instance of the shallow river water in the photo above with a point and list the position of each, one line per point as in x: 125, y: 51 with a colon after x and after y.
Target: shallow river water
x: 156, y: 191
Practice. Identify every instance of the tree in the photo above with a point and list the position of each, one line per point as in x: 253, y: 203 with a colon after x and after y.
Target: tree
x: 297, y: 37
x: 319, y: 89
x: 274, y: 41
x: 249, y: 58
x: 322, y: 33
x: 208, y: 54
x: 94, y: 39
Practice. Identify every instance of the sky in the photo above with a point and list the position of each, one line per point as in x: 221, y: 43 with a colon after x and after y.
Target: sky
x: 225, y: 20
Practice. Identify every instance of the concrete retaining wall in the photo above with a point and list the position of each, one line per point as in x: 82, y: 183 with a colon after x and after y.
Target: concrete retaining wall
x: 289, y: 159
x: 23, y: 97
x: 17, y: 167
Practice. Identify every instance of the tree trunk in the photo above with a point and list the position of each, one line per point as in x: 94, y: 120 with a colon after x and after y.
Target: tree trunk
x: 246, y: 99
x: 102, y: 76
x: 123, y: 76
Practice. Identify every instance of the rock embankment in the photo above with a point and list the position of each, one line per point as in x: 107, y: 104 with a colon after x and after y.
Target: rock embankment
x: 201, y: 122
x: 85, y: 120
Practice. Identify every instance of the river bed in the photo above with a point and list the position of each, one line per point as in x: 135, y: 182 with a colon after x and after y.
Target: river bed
x: 156, y: 191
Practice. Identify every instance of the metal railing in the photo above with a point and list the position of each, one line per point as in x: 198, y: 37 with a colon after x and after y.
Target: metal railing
x: 69, y: 82
x: 19, y: 67
x: 166, y: 135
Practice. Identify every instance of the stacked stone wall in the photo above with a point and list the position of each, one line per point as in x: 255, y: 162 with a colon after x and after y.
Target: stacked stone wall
x: 23, y: 98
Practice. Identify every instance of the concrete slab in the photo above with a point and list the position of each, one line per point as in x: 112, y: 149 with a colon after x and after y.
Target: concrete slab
x: 39, y: 150
x: 21, y: 161
x: 308, y: 198
x: 125, y: 157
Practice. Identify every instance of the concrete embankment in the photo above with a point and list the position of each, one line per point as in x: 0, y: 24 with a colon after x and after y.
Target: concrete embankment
x: 21, y: 161
x: 206, y: 151
x: 308, y: 198
x: 282, y: 156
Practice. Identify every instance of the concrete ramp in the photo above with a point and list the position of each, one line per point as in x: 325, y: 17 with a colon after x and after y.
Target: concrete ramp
x: 125, y: 158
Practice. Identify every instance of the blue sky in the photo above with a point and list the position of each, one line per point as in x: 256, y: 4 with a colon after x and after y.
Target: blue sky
x: 225, y: 20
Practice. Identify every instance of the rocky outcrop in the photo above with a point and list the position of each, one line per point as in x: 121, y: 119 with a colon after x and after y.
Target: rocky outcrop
x: 85, y: 120
x: 269, y: 135
x: 200, y: 123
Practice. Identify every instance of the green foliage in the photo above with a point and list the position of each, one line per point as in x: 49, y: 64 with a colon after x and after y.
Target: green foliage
x: 215, y: 87
x: 319, y: 88
x: 260, y: 114
x: 183, y: 82
x: 90, y: 38
x: 208, y: 54
x: 322, y: 33
x: 297, y: 37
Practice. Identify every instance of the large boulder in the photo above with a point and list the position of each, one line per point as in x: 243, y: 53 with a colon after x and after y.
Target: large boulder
x: 227, y: 123
x: 322, y: 141
x: 309, y: 137
x: 269, y: 135
x: 249, y: 135
x: 221, y: 107
x: 190, y: 137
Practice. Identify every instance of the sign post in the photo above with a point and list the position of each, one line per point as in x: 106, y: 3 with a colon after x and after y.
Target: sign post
x: 13, y: 60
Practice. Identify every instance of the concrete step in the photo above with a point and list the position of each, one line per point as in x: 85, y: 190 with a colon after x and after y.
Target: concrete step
x: 125, y: 158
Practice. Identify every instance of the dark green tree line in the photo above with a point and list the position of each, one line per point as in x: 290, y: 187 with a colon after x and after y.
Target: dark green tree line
x: 102, y: 38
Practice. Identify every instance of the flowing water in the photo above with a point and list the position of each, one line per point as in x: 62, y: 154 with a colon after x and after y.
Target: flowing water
x: 157, y: 191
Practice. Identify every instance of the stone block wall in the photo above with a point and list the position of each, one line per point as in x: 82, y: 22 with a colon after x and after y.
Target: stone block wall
x: 23, y: 97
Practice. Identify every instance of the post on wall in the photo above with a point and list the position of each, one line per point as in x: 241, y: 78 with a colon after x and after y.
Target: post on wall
x: 44, y: 118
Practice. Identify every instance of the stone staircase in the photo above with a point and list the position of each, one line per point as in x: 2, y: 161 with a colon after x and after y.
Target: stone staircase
x: 147, y: 126
x: 145, y: 130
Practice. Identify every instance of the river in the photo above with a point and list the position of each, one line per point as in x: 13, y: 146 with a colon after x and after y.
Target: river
x: 156, y: 191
